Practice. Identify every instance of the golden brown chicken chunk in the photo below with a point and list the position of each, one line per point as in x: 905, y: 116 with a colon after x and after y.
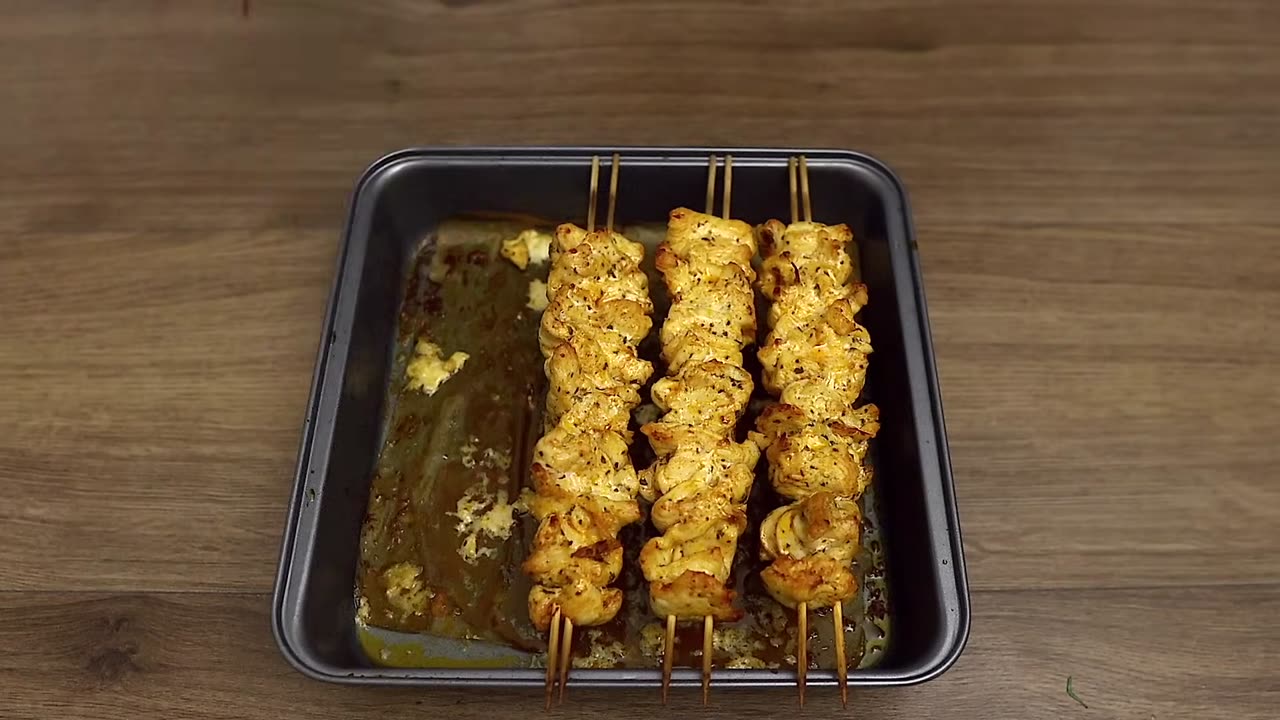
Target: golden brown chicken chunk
x: 706, y: 263
x: 595, y: 287
x: 707, y: 476
x: 823, y: 523
x: 694, y: 595
x: 581, y: 601
x: 807, y: 455
x: 593, y: 465
x: 818, y: 580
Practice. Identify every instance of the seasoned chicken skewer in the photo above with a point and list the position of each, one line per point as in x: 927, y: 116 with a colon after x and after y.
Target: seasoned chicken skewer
x: 584, y: 483
x: 815, y: 437
x: 701, y: 479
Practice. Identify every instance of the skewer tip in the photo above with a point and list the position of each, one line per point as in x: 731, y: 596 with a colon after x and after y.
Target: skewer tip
x: 802, y: 650
x: 553, y: 641
x: 667, y: 653
x: 706, y: 658
x: 566, y: 657
x: 804, y: 189
x: 711, y: 184
x: 728, y: 184
x: 613, y: 192
x: 795, y: 195
x: 842, y: 668
x: 595, y: 187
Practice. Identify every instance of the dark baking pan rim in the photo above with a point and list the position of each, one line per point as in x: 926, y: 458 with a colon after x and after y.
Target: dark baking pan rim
x: 940, y: 502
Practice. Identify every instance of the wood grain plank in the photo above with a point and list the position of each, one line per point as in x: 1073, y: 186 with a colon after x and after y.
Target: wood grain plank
x: 1182, y: 380
x: 1120, y: 378
x: 1167, y: 653
x: 987, y: 114
x: 155, y: 387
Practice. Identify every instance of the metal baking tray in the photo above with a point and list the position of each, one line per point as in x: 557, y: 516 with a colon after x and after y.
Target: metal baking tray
x: 403, y: 206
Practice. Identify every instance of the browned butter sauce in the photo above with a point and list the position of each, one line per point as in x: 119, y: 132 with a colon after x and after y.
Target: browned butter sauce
x: 439, y: 583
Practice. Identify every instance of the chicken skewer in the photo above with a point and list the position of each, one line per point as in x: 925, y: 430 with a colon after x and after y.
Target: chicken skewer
x: 700, y: 481
x: 584, y: 483
x: 815, y: 437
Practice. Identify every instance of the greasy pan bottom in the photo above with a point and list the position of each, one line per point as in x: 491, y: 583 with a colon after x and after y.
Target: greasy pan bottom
x: 405, y: 197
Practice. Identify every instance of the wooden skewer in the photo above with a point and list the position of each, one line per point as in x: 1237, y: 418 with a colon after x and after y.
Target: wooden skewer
x: 595, y: 184
x: 802, y: 649
x: 802, y: 642
x: 842, y: 671
x: 791, y: 178
x: 566, y: 656
x: 708, y: 623
x: 667, y: 654
x: 706, y: 659
x: 552, y: 644
x: 802, y: 610
x: 728, y: 183
x: 804, y: 189
x: 613, y: 193
x: 711, y: 185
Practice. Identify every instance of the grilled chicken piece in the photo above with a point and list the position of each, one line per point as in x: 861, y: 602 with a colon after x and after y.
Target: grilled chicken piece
x: 708, y: 476
x: 704, y: 545
x: 716, y: 392
x: 807, y: 455
x: 709, y: 397
x: 574, y: 545
x: 595, y: 362
x: 804, y: 255
x: 706, y: 263
x: 595, y: 287
x: 593, y: 465
x: 711, y: 241
x: 823, y: 523
x: 707, y: 323
x: 570, y: 314
x: 837, y: 358
x: 694, y: 595
x: 818, y: 580
x: 584, y: 603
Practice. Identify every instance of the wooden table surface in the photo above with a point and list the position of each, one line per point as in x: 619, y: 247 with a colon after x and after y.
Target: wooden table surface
x: 1097, y: 191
